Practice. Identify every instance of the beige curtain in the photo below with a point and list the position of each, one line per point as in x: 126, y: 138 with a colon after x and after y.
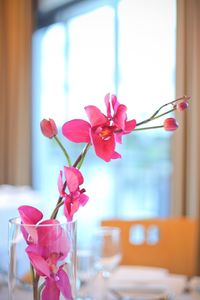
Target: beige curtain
x: 15, y: 91
x: 186, y: 177
x: 187, y: 140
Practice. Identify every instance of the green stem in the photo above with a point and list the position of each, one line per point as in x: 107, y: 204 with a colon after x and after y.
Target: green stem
x: 40, y: 290
x: 63, y: 149
x: 145, y: 128
x: 171, y: 102
x: 165, y: 113
x: 58, y: 205
x: 81, y: 157
x: 35, y: 280
x: 154, y: 117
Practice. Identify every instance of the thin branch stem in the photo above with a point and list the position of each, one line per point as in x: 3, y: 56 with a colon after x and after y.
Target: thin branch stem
x: 81, y: 156
x: 40, y: 290
x: 155, y: 117
x: 63, y: 149
x: 171, y: 102
x: 35, y: 279
x: 145, y: 128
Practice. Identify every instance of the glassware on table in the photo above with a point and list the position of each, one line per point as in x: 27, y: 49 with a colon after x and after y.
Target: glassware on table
x: 85, y: 273
x: 53, y: 251
x: 106, y: 246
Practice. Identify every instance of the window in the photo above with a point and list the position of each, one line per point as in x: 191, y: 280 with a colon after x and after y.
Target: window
x: 126, y: 47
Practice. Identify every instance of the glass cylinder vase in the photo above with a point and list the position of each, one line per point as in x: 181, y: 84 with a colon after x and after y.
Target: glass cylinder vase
x: 42, y: 261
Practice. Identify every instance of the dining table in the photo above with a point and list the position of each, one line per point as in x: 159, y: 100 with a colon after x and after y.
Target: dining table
x: 132, y: 283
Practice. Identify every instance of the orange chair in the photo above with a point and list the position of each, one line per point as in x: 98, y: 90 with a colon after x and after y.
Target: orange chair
x: 167, y: 243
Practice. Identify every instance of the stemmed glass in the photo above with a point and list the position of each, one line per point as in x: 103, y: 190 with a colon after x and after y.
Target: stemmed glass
x: 85, y: 273
x: 107, y: 249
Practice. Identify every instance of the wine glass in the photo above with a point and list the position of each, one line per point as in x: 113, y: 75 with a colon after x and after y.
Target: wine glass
x: 106, y: 246
x: 85, y: 272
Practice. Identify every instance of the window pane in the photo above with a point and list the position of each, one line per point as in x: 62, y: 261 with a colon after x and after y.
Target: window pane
x: 77, y: 66
x: 147, y: 80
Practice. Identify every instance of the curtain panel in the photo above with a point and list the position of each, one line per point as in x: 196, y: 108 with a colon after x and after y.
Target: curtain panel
x: 186, y: 187
x: 15, y: 91
x: 186, y: 176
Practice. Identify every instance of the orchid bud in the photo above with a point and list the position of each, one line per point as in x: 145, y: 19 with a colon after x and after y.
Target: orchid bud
x: 48, y: 128
x: 170, y: 124
x: 182, y: 105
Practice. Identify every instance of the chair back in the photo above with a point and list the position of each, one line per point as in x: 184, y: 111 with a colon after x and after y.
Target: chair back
x: 168, y: 243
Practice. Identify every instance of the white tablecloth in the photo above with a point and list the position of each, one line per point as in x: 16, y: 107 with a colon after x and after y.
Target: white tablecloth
x: 126, y: 277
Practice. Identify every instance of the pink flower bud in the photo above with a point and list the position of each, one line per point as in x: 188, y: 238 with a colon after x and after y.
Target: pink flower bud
x: 48, y: 128
x: 182, y: 105
x: 170, y: 124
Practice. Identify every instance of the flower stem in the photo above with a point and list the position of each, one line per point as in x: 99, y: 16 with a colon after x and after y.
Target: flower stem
x: 81, y: 157
x: 84, y: 152
x: 40, y: 290
x: 171, y: 102
x: 63, y: 149
x: 35, y: 280
x: 154, y: 117
x: 152, y: 127
x: 59, y: 203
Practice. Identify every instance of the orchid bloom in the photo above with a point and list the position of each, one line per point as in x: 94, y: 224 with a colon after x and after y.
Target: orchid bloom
x: 170, y: 124
x: 76, y: 196
x: 48, y: 247
x: 103, y: 131
x: 48, y: 128
x: 182, y: 105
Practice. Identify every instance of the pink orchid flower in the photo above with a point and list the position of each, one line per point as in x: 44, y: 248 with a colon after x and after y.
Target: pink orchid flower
x: 47, y: 247
x: 29, y: 216
x: 182, y: 105
x: 103, y: 131
x: 76, y: 196
x: 170, y: 124
x: 48, y: 128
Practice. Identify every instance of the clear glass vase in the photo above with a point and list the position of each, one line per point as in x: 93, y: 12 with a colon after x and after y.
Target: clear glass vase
x: 42, y: 261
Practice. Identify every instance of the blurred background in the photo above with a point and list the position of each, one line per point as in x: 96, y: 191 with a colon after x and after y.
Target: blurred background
x: 56, y: 57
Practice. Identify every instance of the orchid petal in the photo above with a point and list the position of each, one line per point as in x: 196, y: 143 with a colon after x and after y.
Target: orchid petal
x: 95, y: 116
x: 53, y: 240
x: 115, y: 103
x: 107, y: 102
x: 64, y: 284
x: 30, y: 214
x: 120, y: 116
x: 60, y: 184
x: 73, y: 177
x: 116, y: 155
x: 49, y: 231
x: 77, y: 131
x: 130, y: 126
x: 51, y: 290
x: 70, y: 209
x: 103, y: 148
x: 83, y: 199
x: 118, y: 137
x: 38, y: 262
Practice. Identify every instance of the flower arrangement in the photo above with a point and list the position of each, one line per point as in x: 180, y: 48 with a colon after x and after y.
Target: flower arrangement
x: 46, y: 249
